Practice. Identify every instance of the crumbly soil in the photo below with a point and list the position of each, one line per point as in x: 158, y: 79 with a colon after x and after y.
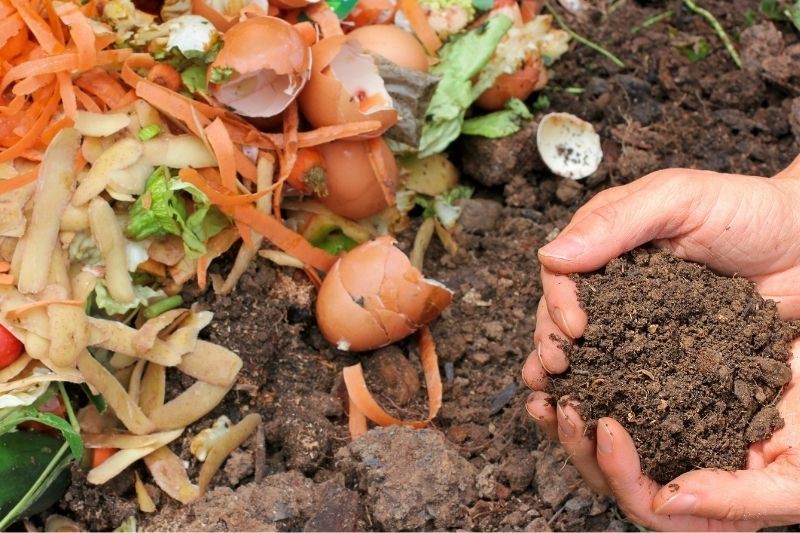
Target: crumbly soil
x: 689, y: 361
x: 498, y: 472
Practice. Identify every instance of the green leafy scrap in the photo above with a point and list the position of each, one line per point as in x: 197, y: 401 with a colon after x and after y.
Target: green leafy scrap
x: 221, y: 74
x: 696, y: 51
x: 500, y: 123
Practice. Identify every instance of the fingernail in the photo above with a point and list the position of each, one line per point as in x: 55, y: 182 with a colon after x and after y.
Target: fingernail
x: 565, y: 425
x: 565, y: 248
x: 539, y: 355
x: 605, y: 440
x: 678, y: 504
x: 528, y: 407
x: 561, y: 318
x: 525, y: 381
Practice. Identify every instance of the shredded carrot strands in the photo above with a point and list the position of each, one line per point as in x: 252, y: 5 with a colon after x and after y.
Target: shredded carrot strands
x: 99, y: 83
x: 52, y: 19
x: 32, y: 84
x: 419, y: 23
x: 55, y: 127
x: 32, y: 136
x: 171, y: 104
x: 246, y: 235
x: 364, y: 402
x: 323, y: 15
x: 125, y: 101
x: 190, y: 175
x: 356, y: 421
x: 12, y: 314
x: 86, y: 100
x: 40, y: 29
x: 82, y: 34
x: 67, y: 91
x: 245, y: 167
x: 217, y: 245
x: 224, y: 150
x: 220, y: 21
x: 58, y: 63
x: 165, y: 75
x: 287, y: 240
x: 288, y: 156
x: 10, y: 27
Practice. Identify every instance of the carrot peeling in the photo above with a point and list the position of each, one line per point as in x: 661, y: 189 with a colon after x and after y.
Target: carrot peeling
x: 419, y: 23
x: 81, y: 32
x: 221, y: 143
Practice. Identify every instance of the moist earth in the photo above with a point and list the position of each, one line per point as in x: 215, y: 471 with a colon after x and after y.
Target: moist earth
x: 662, y: 110
x: 689, y: 361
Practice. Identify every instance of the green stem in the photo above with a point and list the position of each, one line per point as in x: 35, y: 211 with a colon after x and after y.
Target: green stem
x: 68, y: 406
x: 723, y: 35
x: 652, y: 20
x: 583, y: 40
x: 33, y: 492
x: 162, y: 306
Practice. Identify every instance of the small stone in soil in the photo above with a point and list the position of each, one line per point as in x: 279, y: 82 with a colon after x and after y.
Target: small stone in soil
x: 686, y: 360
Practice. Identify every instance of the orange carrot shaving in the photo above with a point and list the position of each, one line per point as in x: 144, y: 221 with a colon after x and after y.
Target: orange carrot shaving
x: 13, y: 314
x: 86, y: 100
x: 357, y: 422
x: 216, y: 246
x: 166, y: 76
x: 6, y: 279
x: 313, y: 276
x: 40, y: 29
x: 10, y: 27
x: 101, y: 84
x: 32, y: 84
x: 287, y: 240
x: 419, y: 23
x: 530, y: 9
x: 101, y: 455
x: 32, y: 136
x: 361, y: 399
x: 246, y: 234
x: 19, y: 181
x: 55, y: 127
x: 217, y: 197
x: 220, y: 21
x: 245, y: 167
x: 223, y: 148
x: 57, y: 63
x: 153, y: 267
x: 376, y: 160
x: 52, y: 19
x: 171, y: 104
x: 67, y: 91
x: 127, y: 99
x: 323, y: 15
x: 288, y: 156
x: 309, y: 161
x: 81, y: 32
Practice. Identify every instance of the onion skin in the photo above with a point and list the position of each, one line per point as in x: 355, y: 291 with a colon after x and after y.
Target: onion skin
x: 353, y: 189
x: 326, y: 102
x: 393, y: 43
x: 373, y: 297
x: 279, y: 47
x: 520, y: 84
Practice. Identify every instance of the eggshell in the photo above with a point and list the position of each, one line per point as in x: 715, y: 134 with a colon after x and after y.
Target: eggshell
x: 520, y: 84
x: 401, y: 303
x: 330, y: 100
x: 393, y: 43
x: 353, y: 189
x: 568, y: 145
x: 272, y: 63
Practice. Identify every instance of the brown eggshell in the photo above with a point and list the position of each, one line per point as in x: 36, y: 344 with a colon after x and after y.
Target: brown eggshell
x: 393, y: 43
x: 326, y: 102
x: 353, y: 189
x: 344, y: 322
x: 520, y: 84
x: 403, y: 302
x: 266, y: 51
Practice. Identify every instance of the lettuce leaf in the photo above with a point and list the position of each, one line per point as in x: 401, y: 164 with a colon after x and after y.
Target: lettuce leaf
x: 500, y: 123
x: 142, y: 296
x: 461, y: 60
x: 162, y: 210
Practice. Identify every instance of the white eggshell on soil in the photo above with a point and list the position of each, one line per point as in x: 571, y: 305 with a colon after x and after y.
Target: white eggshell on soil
x: 568, y: 145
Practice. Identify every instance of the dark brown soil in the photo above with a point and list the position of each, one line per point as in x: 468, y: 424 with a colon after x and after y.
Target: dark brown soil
x: 662, y: 110
x: 690, y: 362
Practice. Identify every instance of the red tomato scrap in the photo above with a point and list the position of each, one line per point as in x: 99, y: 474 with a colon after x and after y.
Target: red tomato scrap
x: 10, y: 348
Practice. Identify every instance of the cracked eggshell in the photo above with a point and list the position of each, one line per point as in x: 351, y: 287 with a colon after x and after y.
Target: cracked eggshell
x: 393, y: 43
x: 373, y: 296
x: 568, y: 145
x: 271, y: 63
x: 353, y: 189
x: 345, y: 87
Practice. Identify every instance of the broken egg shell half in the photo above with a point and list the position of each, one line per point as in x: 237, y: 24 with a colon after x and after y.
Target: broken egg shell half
x: 345, y: 87
x: 353, y: 189
x: 373, y: 296
x: 271, y: 64
x: 568, y: 145
x: 531, y: 77
x: 393, y: 43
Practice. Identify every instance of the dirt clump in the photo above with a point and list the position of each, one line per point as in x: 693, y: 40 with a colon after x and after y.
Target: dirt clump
x: 688, y: 361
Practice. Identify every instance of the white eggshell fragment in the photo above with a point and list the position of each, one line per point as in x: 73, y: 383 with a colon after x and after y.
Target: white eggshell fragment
x: 568, y: 145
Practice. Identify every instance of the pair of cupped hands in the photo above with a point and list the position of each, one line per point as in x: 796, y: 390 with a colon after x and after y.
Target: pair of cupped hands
x: 743, y: 225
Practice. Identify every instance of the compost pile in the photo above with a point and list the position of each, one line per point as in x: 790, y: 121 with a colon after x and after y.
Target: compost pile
x: 690, y: 362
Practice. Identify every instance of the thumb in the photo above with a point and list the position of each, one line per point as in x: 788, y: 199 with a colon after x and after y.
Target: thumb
x: 659, y: 209
x: 771, y: 494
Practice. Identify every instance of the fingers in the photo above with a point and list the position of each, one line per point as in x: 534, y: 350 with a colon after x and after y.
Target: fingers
x: 663, y: 207
x: 548, y: 353
x: 580, y: 446
x: 562, y: 303
x: 771, y: 494
x: 619, y: 461
x: 782, y: 289
x: 792, y: 171
x: 540, y: 407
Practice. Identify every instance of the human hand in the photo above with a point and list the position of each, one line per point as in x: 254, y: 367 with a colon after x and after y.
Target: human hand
x: 736, y: 225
